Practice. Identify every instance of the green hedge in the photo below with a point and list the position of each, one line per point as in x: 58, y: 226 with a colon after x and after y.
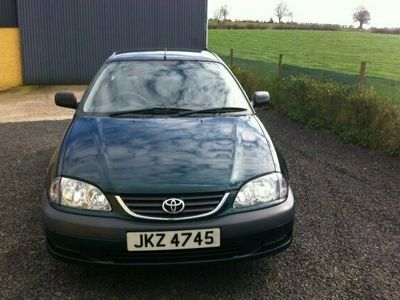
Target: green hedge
x: 229, y: 24
x: 385, y: 30
x: 361, y: 117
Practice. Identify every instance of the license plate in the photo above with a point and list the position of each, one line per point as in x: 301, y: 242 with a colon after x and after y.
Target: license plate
x: 173, y: 240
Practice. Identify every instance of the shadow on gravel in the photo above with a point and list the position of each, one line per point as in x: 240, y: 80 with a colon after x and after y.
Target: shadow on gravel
x: 229, y: 273
x: 227, y: 280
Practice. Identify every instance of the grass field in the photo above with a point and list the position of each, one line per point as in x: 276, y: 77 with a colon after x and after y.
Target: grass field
x: 320, y: 54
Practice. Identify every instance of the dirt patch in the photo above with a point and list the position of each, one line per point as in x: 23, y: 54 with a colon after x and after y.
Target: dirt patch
x: 35, y: 103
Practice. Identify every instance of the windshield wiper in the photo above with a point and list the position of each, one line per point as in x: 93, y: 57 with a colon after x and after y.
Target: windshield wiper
x: 151, y: 111
x: 217, y: 110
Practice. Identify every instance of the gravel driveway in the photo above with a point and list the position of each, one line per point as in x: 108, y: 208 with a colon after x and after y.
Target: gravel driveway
x: 347, y: 241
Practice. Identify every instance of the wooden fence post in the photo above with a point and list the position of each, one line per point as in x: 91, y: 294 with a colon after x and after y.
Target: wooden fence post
x: 361, y: 81
x: 280, y: 66
x: 231, y: 58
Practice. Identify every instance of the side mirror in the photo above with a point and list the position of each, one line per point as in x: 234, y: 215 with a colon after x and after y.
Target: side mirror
x: 65, y: 99
x: 260, y: 99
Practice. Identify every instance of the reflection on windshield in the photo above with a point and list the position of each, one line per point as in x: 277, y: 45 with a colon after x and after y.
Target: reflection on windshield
x: 132, y: 85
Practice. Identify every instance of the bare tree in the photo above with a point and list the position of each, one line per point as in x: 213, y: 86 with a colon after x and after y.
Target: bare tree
x: 281, y: 11
x: 221, y: 13
x: 362, y: 16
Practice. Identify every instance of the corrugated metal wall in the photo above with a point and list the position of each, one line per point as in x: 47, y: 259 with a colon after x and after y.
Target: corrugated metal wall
x: 66, y: 41
x: 8, y: 13
x: 10, y: 55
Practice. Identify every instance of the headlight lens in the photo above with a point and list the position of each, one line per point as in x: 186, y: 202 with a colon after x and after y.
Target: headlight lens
x: 77, y: 194
x: 262, y: 190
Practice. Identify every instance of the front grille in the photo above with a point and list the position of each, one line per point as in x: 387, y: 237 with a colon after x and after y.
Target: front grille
x: 196, y: 205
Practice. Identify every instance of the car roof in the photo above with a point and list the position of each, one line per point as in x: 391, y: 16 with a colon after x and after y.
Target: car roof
x: 167, y: 54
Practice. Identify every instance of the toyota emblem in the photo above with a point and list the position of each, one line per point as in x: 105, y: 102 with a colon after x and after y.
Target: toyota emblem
x: 173, y: 206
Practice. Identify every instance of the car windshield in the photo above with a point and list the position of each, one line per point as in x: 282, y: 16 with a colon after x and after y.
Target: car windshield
x: 182, y: 85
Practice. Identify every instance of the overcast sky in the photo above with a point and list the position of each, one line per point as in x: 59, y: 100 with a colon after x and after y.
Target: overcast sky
x: 384, y: 13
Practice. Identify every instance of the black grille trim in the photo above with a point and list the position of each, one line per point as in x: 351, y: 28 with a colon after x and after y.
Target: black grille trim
x: 174, y: 255
x: 150, y: 206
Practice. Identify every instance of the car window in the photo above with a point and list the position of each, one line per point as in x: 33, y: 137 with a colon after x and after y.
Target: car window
x: 131, y: 85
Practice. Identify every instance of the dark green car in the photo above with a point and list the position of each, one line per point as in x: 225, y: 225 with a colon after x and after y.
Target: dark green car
x: 165, y: 162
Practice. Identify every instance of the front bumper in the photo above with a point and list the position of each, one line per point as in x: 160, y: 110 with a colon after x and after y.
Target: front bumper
x: 102, y: 240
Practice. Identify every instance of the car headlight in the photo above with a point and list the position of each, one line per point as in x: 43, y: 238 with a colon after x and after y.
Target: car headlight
x: 262, y: 190
x: 77, y: 194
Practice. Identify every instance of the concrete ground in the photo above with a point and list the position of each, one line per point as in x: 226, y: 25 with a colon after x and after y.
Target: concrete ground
x: 347, y: 235
x: 35, y: 103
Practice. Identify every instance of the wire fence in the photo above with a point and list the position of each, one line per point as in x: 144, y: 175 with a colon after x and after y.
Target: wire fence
x: 387, y: 87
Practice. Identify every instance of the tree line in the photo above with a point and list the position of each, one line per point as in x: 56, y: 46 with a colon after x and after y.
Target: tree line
x: 361, y: 15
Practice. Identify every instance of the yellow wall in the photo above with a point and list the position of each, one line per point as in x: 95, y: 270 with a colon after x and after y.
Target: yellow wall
x: 10, y: 58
